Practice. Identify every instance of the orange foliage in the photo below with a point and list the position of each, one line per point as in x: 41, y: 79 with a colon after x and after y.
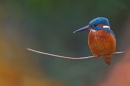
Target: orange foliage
x: 119, y: 74
x: 9, y: 76
x: 17, y: 69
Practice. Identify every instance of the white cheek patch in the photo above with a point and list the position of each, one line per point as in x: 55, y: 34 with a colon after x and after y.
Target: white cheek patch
x: 106, y: 27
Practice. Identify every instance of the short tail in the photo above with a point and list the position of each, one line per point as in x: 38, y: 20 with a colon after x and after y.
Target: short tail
x: 107, y: 59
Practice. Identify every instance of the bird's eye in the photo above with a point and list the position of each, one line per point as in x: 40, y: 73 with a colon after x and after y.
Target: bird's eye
x: 92, y: 26
x: 95, y: 25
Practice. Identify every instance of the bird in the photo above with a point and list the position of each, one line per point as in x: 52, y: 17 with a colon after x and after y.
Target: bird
x: 101, y: 39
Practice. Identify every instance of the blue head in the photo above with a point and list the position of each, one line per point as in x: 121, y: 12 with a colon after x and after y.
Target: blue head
x: 100, y: 20
x: 98, y: 23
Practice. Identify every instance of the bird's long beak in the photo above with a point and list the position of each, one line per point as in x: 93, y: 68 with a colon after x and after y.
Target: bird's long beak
x: 82, y: 29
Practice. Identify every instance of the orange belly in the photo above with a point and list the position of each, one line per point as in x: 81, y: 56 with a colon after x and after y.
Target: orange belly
x: 101, y: 42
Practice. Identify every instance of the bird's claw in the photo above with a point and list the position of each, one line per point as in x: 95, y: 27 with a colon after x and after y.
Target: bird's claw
x: 109, y: 54
x: 96, y: 56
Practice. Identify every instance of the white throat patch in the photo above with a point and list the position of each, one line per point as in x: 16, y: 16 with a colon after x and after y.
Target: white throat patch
x: 106, y: 27
x: 92, y: 30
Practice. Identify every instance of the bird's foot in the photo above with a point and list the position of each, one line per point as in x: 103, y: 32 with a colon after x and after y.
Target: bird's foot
x: 96, y: 56
x: 109, y: 54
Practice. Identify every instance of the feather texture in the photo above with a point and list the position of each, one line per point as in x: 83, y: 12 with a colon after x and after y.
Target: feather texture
x: 102, y: 43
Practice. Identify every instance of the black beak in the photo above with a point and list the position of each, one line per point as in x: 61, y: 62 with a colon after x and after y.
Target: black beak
x: 82, y: 29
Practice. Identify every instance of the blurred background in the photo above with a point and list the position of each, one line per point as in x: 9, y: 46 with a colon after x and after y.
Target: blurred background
x: 48, y: 25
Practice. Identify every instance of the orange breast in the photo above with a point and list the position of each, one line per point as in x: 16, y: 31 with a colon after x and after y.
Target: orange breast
x: 101, y: 42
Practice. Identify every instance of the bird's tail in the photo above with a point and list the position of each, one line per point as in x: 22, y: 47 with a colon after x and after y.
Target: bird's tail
x: 107, y: 59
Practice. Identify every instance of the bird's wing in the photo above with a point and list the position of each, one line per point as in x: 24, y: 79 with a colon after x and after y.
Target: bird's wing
x: 110, y: 31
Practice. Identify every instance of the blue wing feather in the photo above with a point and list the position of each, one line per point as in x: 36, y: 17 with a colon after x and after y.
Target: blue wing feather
x: 110, y: 31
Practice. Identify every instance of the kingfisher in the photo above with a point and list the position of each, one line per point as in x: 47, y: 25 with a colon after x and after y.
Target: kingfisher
x: 101, y: 39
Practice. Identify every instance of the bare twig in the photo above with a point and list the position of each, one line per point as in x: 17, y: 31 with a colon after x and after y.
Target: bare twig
x: 71, y: 58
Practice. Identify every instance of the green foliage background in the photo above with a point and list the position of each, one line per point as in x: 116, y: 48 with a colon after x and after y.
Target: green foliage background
x: 48, y: 25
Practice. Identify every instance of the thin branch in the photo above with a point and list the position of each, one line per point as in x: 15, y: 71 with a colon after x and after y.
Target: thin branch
x: 71, y: 58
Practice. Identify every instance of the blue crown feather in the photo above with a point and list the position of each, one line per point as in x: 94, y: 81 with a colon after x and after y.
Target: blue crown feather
x: 100, y: 20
